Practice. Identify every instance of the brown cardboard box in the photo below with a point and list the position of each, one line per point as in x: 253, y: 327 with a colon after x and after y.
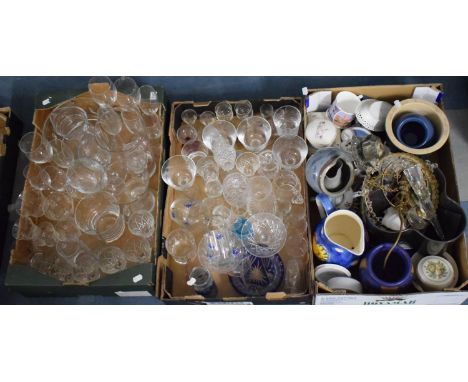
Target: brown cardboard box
x: 4, y: 129
x: 172, y: 277
x: 137, y: 279
x: 458, y: 250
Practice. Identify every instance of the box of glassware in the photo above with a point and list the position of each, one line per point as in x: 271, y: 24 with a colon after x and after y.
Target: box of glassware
x: 89, y: 216
x: 384, y: 204
x: 235, y: 228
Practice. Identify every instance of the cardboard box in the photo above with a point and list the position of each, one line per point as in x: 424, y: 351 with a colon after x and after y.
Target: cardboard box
x: 172, y: 277
x: 444, y: 157
x: 137, y: 280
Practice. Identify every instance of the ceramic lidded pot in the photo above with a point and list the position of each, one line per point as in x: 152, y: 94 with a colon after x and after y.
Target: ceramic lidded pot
x: 339, y: 238
x: 434, y: 273
x: 395, y: 277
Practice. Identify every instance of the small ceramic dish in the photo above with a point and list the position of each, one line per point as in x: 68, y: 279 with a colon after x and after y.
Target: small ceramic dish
x: 325, y: 272
x: 435, y: 273
x: 345, y: 283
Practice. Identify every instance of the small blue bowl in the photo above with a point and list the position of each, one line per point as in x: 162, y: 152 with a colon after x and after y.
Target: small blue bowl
x: 414, y: 130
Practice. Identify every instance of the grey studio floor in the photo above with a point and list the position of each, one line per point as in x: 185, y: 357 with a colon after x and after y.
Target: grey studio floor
x: 19, y: 93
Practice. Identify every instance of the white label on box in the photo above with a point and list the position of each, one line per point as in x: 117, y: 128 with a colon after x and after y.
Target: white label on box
x: 153, y: 96
x: 134, y: 293
x: 434, y: 298
x: 229, y: 303
x: 137, y: 278
x: 46, y: 101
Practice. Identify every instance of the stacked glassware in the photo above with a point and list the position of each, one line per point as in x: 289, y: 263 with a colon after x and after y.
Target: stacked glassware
x: 235, y: 198
x: 88, y: 205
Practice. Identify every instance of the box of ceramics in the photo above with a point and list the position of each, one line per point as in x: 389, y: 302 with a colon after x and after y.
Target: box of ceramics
x: 88, y: 218
x: 387, y: 226
x: 235, y: 226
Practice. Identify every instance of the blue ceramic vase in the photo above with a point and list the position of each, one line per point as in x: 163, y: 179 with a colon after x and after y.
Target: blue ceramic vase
x: 414, y: 130
x: 395, y: 277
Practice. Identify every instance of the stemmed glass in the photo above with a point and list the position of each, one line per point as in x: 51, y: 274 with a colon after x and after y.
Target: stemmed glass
x: 254, y: 133
x: 260, y: 196
x: 128, y: 92
x: 290, y: 151
x: 179, y: 172
x: 268, y: 164
x: 149, y: 103
x: 209, y: 171
x: 181, y: 246
x: 42, y: 151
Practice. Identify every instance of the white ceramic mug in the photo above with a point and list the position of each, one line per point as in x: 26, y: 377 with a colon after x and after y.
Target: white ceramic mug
x: 343, y: 109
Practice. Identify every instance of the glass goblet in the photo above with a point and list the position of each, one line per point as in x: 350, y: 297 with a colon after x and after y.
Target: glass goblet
x: 290, y: 151
x: 254, y: 133
x: 179, y: 172
x: 128, y: 92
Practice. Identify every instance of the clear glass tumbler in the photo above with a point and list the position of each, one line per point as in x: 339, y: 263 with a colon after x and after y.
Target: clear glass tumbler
x: 195, y: 150
x: 109, y: 120
x: 218, y: 251
x: 223, y: 111
x: 179, y: 172
x: 128, y: 92
x: 235, y: 190
x: 209, y: 172
x: 290, y: 151
x: 63, y: 152
x: 37, y: 177
x: 266, y: 111
x: 288, y: 177
x: 41, y: 152
x: 248, y: 163
x: 189, y: 116
x: 207, y: 117
x: 102, y: 90
x: 87, y: 176
x: 186, y: 134
x: 243, y: 109
x: 287, y: 120
x: 58, y: 206
x: 86, y: 268
x: 219, y: 131
x: 181, y: 246
x: 137, y: 250
x: 268, y: 164
x: 32, y: 203
x: 254, y: 133
x: 186, y: 212
x: 149, y: 103
x: 260, y: 197
x: 111, y: 260
x: 69, y: 122
x: 141, y: 223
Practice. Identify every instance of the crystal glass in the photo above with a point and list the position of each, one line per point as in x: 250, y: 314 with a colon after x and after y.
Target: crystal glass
x: 141, y: 223
x: 268, y: 164
x: 248, y: 164
x: 69, y: 122
x: 207, y: 118
x: 181, y: 246
x: 99, y: 208
x: 223, y: 111
x: 58, y: 206
x: 62, y: 270
x: 201, y: 281
x: 25, y: 229
x: 209, y: 171
x: 109, y: 120
x: 263, y: 235
x: 179, y: 172
x: 219, y: 131
x: 152, y: 126
x: 87, y: 176
x: 221, y: 218
x: 32, y: 203
x: 110, y: 226
x: 42, y: 151
x: 42, y: 262
x: 219, y: 251
x: 69, y: 249
x: 57, y: 176
x: 37, y: 177
x: 195, y: 150
x: 102, y: 90
x: 224, y: 155
x: 235, y: 190
x: 86, y: 268
x: 89, y: 149
x: 48, y: 236
x: 260, y: 196
x: 67, y: 229
x: 186, y: 212
x: 63, y: 152
x: 147, y: 202
x: 149, y: 103
x: 254, y: 133
x: 266, y: 111
x: 133, y: 188
x: 290, y: 151
x: 137, y: 250
x: 186, y: 134
x: 287, y: 120
x: 128, y: 92
x: 189, y: 116
x: 243, y: 109
x: 289, y: 178
x: 111, y: 260
x: 133, y: 120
